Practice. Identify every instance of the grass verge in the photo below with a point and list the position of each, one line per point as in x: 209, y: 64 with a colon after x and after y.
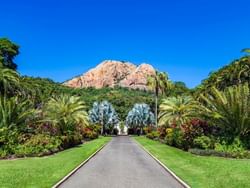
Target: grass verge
x: 200, y: 171
x: 46, y: 171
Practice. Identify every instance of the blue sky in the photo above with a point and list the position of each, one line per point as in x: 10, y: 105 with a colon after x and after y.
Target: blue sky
x: 186, y: 38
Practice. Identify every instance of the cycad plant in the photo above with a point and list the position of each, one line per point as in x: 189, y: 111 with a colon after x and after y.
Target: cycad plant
x: 8, y: 79
x: 140, y: 116
x: 14, y: 117
x: 66, y: 112
x: 229, y: 109
x: 105, y: 115
x: 178, y: 110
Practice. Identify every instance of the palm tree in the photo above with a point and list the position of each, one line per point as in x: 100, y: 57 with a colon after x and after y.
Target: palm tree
x: 160, y: 84
x: 229, y: 109
x: 140, y: 116
x: 8, y: 79
x: 66, y: 112
x: 104, y: 114
x: 178, y: 110
x: 246, y: 50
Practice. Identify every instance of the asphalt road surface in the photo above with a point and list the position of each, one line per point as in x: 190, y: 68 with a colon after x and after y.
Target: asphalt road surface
x: 121, y: 164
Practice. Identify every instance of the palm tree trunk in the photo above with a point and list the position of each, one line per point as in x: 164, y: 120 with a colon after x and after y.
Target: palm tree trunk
x: 156, y: 111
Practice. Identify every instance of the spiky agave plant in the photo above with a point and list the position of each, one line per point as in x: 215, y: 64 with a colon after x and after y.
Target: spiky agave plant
x: 140, y: 116
x: 178, y: 110
x: 104, y: 114
x: 66, y: 112
x: 229, y: 109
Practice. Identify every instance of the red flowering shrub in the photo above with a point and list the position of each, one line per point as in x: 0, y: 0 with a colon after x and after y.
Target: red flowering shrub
x: 194, y: 129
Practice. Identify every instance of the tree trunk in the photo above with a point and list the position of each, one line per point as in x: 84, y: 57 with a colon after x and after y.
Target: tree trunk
x: 156, y: 111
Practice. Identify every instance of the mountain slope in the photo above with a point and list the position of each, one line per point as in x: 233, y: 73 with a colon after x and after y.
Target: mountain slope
x: 112, y: 73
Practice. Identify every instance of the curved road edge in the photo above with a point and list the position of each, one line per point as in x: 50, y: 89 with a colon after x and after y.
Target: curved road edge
x: 79, y: 166
x: 184, y: 184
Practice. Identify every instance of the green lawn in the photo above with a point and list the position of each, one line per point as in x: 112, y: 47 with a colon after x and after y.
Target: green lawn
x: 45, y: 171
x: 200, y: 171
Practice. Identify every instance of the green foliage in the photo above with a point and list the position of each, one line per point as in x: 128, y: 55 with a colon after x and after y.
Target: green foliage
x: 38, y: 145
x: 178, y: 110
x: 15, y: 116
x: 66, y: 112
x: 8, y: 80
x: 179, y: 88
x: 229, y: 110
x: 8, y: 51
x: 175, y: 138
x: 203, y: 142
x: 238, y: 72
x: 153, y: 135
x: 236, y: 149
x: 159, y: 84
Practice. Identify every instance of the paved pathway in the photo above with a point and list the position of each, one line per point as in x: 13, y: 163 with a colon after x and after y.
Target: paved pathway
x: 121, y: 164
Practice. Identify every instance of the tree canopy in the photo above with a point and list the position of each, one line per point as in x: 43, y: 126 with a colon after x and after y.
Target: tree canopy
x: 8, y: 51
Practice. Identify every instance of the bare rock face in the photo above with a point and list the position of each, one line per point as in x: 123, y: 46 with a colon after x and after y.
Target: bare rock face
x: 138, y: 78
x: 114, y: 73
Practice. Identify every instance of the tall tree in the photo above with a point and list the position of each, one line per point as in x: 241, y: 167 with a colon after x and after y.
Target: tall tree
x: 8, y: 51
x: 140, y: 116
x: 160, y: 84
x: 104, y: 114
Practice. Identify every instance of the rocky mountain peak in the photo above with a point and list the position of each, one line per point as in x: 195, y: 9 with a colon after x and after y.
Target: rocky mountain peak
x: 111, y: 73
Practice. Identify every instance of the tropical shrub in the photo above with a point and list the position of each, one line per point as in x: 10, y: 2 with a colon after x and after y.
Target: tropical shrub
x: 15, y: 115
x: 66, y: 113
x: 71, y: 140
x: 236, y: 149
x: 9, y: 79
x: 229, y: 110
x: 152, y: 135
x: 105, y: 115
x: 203, y: 142
x: 174, y: 137
x: 193, y: 129
x: 162, y: 130
x: 38, y: 145
x: 178, y: 110
x: 90, y: 131
x: 148, y: 129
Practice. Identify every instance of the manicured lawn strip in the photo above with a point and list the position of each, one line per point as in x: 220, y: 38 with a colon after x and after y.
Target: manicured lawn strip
x: 199, y: 171
x: 46, y: 171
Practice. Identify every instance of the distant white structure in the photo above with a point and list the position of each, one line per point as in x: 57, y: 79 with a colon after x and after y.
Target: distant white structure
x: 120, y: 131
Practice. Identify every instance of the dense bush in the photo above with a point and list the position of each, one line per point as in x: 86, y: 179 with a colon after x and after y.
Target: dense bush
x: 38, y: 145
x: 236, y: 149
x: 203, y: 142
x: 90, y: 132
x: 153, y: 135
